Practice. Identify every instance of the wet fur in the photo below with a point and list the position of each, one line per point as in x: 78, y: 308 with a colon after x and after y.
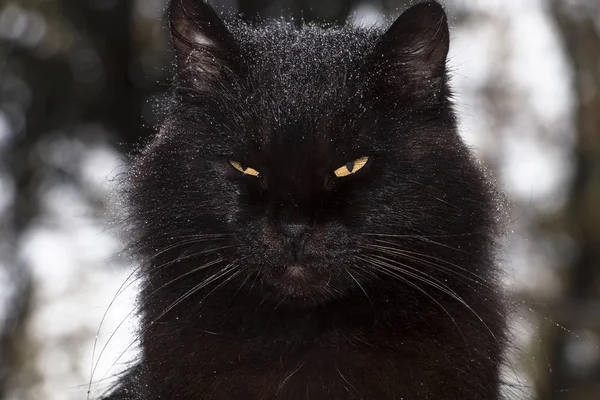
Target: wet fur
x: 399, y: 296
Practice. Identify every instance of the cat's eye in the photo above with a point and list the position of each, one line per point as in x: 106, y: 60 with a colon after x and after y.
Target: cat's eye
x: 244, y: 170
x: 351, y: 168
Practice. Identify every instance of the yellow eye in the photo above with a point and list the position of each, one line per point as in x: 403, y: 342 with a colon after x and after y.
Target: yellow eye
x: 351, y: 167
x: 245, y: 171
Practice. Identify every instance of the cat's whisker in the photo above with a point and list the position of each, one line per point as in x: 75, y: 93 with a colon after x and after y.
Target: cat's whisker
x: 417, y: 274
x: 476, y: 280
x: 256, y: 275
x: 189, y: 293
x: 395, y: 274
x: 182, y: 243
x: 360, y: 286
x: 280, y: 302
x: 287, y: 378
x: 182, y: 257
x: 444, y: 245
x: 444, y: 288
x: 106, y: 379
x: 231, y: 266
x: 186, y: 255
x: 241, y: 284
x: 220, y: 285
x: 403, y: 249
x: 179, y: 277
x: 192, y: 291
x: 202, y: 236
x: 420, y: 236
x: 202, y: 267
x: 122, y: 288
x: 407, y: 269
x: 366, y: 271
x: 348, y: 382
x: 418, y: 257
x: 387, y: 269
x: 127, y: 283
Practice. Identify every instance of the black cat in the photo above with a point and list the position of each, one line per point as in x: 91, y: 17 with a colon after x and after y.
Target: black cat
x: 310, y: 224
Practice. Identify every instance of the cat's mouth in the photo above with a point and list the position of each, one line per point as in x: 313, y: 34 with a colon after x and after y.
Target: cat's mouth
x: 299, y: 281
x: 300, y: 275
x: 296, y: 273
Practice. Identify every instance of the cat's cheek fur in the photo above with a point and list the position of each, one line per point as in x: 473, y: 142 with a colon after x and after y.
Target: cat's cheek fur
x: 291, y: 282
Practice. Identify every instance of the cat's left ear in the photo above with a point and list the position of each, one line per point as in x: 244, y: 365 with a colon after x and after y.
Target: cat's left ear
x: 416, y: 44
x: 204, y: 47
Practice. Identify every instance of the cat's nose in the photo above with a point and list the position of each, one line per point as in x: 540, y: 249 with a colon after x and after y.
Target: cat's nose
x: 295, y: 230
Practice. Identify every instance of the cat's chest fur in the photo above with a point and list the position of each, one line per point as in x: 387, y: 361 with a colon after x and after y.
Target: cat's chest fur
x: 321, y: 356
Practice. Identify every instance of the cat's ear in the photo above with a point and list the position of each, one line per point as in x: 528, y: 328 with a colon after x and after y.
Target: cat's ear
x: 417, y: 43
x: 204, y: 47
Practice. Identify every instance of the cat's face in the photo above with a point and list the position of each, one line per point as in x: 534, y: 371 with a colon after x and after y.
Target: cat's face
x: 292, y: 153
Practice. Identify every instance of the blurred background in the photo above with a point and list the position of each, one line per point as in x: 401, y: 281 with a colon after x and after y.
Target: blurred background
x: 83, y: 82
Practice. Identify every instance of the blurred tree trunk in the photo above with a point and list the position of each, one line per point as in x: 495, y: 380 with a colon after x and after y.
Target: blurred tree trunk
x: 563, y: 380
x: 13, y: 328
x: 62, y: 103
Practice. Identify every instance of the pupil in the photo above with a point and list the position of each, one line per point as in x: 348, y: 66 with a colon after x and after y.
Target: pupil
x: 350, y: 166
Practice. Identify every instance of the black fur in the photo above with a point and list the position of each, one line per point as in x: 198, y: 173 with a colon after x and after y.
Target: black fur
x: 297, y: 284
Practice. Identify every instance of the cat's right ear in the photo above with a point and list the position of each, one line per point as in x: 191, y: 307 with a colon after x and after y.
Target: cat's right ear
x: 415, y: 46
x: 205, y: 50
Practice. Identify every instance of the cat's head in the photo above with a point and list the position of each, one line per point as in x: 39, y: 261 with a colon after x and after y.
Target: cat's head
x: 306, y: 158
